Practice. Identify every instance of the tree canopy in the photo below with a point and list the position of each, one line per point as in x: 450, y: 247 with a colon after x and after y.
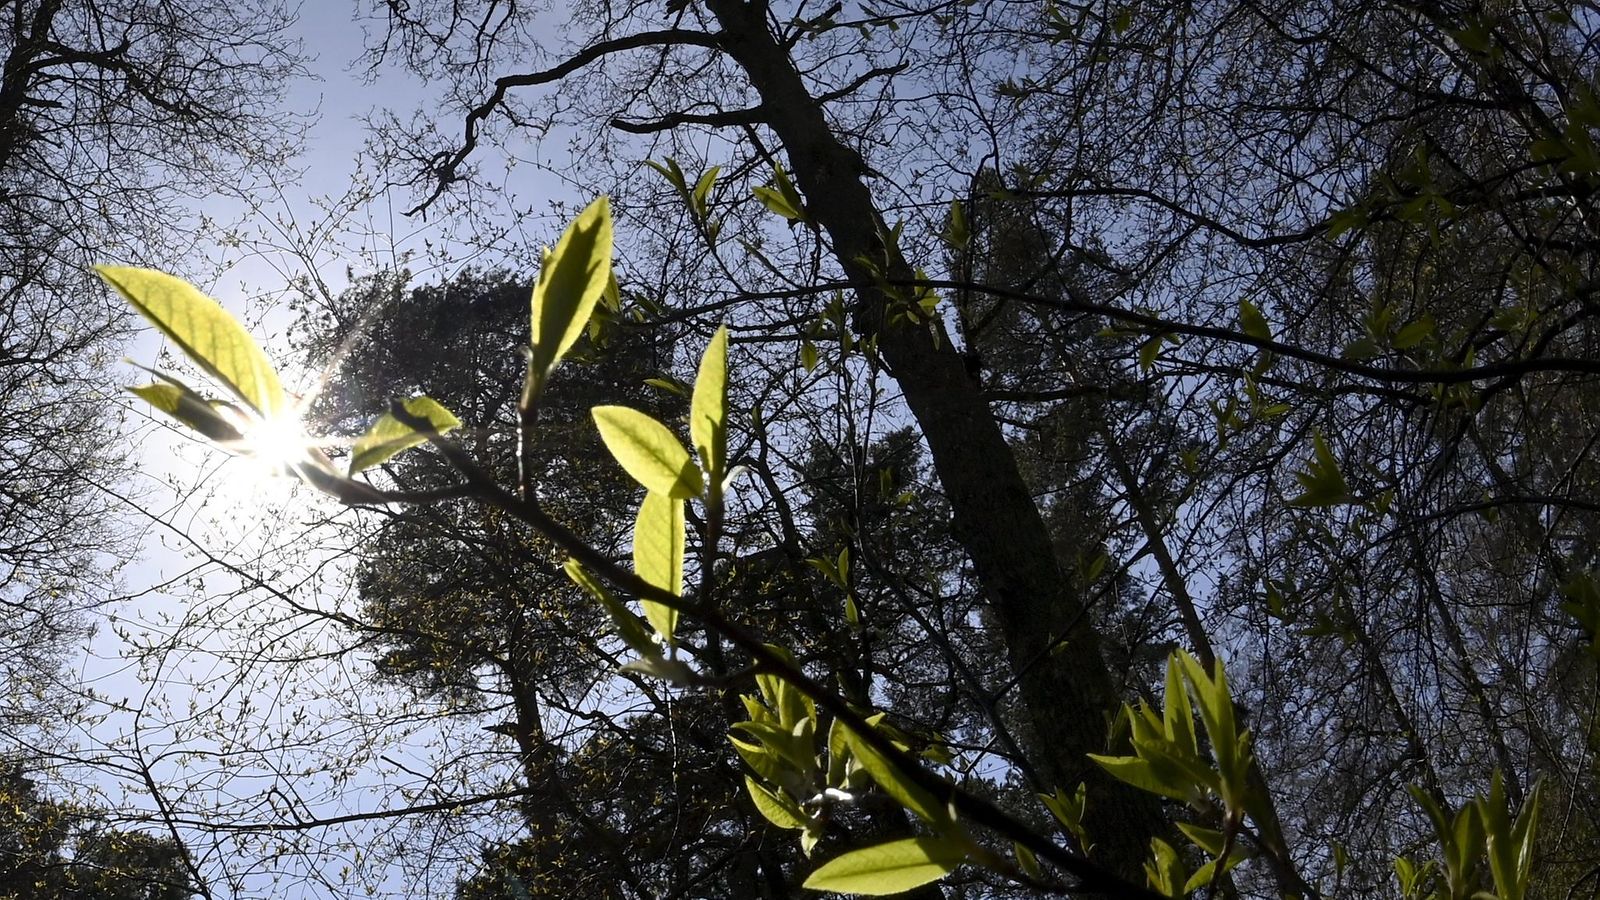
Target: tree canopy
x: 974, y: 449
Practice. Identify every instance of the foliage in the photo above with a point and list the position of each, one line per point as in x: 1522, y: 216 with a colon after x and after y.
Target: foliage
x: 1232, y: 379
x: 53, y: 851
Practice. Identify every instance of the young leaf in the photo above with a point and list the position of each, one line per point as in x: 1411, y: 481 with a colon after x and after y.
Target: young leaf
x: 573, y: 277
x: 702, y: 191
x: 671, y: 172
x: 1323, y: 483
x: 774, y: 807
x: 188, y: 407
x: 808, y: 355
x: 658, y: 555
x: 204, y: 331
x: 956, y: 233
x: 760, y: 759
x: 774, y: 201
x: 888, y: 776
x: 1252, y: 322
x: 708, y: 412
x: 648, y: 451
x: 889, y: 868
x: 628, y: 626
x: 389, y: 435
x: 1165, y: 870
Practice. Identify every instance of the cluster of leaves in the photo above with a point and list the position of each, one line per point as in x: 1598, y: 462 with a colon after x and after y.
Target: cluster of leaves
x: 792, y: 782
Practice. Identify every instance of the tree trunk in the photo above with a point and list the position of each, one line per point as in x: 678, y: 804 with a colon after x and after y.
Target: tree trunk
x: 1050, y: 641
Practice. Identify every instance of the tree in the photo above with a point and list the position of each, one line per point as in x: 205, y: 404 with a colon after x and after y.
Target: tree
x: 112, y: 115
x: 1293, y: 236
x: 1339, y: 313
x: 54, y: 851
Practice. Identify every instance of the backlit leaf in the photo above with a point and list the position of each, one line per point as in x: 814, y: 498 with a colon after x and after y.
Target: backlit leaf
x: 627, y: 624
x: 889, y: 868
x: 204, y: 331
x: 389, y: 435
x: 573, y: 277
x: 658, y: 556
x: 888, y: 776
x: 1252, y: 322
x: 776, y: 808
x: 648, y: 451
x: 189, y: 408
x: 708, y: 412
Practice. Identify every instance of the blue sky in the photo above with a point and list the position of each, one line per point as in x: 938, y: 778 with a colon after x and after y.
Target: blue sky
x: 194, y: 710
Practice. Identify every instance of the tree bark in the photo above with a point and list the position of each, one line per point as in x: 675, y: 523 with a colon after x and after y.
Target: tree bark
x: 1050, y: 641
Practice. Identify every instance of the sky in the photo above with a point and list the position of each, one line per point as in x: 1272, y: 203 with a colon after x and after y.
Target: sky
x: 197, y: 711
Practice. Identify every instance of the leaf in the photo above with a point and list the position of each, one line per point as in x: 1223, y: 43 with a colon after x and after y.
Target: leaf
x: 889, y: 868
x: 708, y: 412
x: 668, y: 385
x: 1205, y: 874
x: 1414, y: 333
x: 389, y: 435
x: 702, y: 190
x: 672, y: 671
x: 1150, y: 351
x: 648, y: 451
x: 775, y: 202
x: 1208, y: 839
x: 1164, y: 870
x: 808, y: 355
x: 759, y: 758
x: 628, y: 625
x: 894, y: 783
x: 658, y: 556
x: 1323, y: 483
x: 573, y: 277
x: 957, y: 235
x: 204, y: 331
x: 1142, y: 775
x: 188, y: 407
x: 774, y: 807
x: 1252, y: 322
x: 671, y: 172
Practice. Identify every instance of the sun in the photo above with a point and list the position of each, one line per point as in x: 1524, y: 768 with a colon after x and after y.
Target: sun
x: 276, y: 444
x: 262, y: 470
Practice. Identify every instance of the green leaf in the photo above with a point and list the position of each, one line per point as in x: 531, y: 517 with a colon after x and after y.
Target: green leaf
x: 629, y: 628
x: 1414, y: 333
x: 1142, y: 775
x: 775, y: 807
x: 759, y: 758
x: 1165, y: 870
x: 774, y: 201
x: 573, y: 277
x: 889, y: 868
x: 671, y: 172
x: 1206, y: 873
x: 1323, y: 483
x: 204, y: 331
x: 658, y: 556
x: 708, y: 412
x: 389, y: 435
x: 808, y: 355
x: 1252, y: 322
x: 648, y: 451
x: 668, y: 385
x: 181, y: 403
x: 894, y: 783
x: 1178, y: 717
x: 957, y: 234
x: 1360, y: 349
x: 1208, y: 839
x: 702, y: 191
